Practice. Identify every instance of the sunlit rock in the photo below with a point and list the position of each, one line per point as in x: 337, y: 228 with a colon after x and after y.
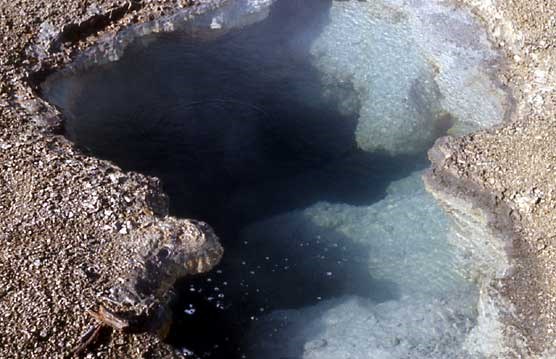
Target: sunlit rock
x: 298, y: 130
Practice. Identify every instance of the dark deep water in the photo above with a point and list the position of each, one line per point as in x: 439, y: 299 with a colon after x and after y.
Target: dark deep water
x: 240, y: 130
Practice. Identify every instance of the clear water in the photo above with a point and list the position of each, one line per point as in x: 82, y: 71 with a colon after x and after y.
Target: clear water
x: 302, y: 139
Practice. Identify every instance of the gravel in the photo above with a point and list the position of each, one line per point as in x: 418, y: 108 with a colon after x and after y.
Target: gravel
x: 73, y: 227
x: 514, y: 165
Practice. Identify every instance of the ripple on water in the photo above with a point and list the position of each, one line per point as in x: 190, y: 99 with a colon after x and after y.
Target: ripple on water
x: 301, y: 138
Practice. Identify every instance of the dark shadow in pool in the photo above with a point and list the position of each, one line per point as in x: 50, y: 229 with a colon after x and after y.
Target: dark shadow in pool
x: 238, y: 130
x: 288, y: 262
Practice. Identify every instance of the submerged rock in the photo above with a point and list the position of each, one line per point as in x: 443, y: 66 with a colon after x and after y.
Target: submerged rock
x: 417, y: 69
x: 49, y: 258
x: 406, y: 290
x: 406, y: 232
x: 357, y: 328
x: 392, y: 254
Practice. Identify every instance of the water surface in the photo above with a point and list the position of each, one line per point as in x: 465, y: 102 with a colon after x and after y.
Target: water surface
x: 302, y: 139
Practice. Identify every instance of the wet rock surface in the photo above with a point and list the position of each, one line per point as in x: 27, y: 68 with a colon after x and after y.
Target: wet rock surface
x: 508, y: 173
x: 242, y: 128
x: 75, y: 229
x: 389, y: 264
x: 353, y: 327
x: 445, y: 78
x: 68, y: 220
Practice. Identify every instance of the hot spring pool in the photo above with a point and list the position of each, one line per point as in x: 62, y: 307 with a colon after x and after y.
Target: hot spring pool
x: 301, y: 138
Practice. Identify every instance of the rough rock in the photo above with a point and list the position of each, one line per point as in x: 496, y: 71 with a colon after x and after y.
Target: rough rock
x: 75, y: 231
x: 505, y: 175
x: 63, y: 211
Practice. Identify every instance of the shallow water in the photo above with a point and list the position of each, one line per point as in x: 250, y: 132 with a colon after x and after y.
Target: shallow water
x: 302, y: 139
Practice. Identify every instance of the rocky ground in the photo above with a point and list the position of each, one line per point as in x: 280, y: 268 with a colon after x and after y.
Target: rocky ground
x: 73, y: 227
x: 510, y: 171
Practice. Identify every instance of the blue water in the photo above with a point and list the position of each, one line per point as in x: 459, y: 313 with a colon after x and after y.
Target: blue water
x: 301, y: 139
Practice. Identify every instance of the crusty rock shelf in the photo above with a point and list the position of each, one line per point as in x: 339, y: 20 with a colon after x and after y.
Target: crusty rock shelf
x: 506, y: 175
x: 77, y: 232
x: 70, y: 223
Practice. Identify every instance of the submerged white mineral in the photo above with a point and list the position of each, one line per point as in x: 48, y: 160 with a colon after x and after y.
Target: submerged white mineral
x: 367, y: 278
x: 411, y: 70
x: 417, y: 68
x: 402, y: 243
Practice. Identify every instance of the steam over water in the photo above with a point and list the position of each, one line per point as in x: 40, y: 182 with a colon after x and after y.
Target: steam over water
x: 301, y: 139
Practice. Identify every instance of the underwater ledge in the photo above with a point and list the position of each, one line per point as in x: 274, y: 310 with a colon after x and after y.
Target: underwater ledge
x: 438, y: 181
x: 501, y: 176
